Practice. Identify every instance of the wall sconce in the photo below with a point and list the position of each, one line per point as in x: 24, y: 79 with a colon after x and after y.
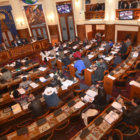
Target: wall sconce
x: 51, y: 17
x: 77, y: 2
x: 20, y: 21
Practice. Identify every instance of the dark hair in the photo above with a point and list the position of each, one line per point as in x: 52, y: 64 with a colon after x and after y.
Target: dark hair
x: 4, y: 70
x: 24, y: 79
x: 136, y: 100
x: 16, y: 94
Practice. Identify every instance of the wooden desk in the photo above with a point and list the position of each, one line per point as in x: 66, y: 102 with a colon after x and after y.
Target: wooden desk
x: 135, y: 89
x: 98, y: 132
x: 9, y: 116
x: 72, y: 70
x: 49, y: 123
x: 118, y: 72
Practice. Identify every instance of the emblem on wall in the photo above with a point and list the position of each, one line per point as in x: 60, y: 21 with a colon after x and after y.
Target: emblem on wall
x: 30, y: 1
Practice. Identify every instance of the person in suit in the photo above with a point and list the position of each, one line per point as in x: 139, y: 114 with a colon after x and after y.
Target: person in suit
x: 123, y: 48
x: 14, y: 44
x: 117, y: 60
x: 39, y: 37
x: 3, y: 46
x: 66, y: 61
x: 25, y: 83
x: 121, y: 4
x: 18, y: 64
x: 134, y: 4
x: 18, y: 41
x: 126, y: 5
x: 85, y: 42
x: 35, y: 106
x: 24, y: 41
x: 86, y: 61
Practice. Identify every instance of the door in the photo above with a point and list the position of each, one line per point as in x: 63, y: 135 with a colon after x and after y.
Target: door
x: 67, y: 27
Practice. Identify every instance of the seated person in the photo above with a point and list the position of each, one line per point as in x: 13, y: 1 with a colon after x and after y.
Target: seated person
x: 79, y: 65
x: 35, y: 106
x: 102, y: 63
x: 107, y: 48
x: 18, y: 41
x: 132, y: 115
x: 51, y: 98
x: 6, y: 75
x: 33, y: 40
x: 110, y: 43
x: 98, y: 75
x: 39, y: 37
x: 128, y: 42
x: 100, y: 100
x: 24, y: 41
x: 85, y: 42
x: 18, y: 64
x: 14, y: 43
x: 27, y: 61
x: 3, y: 46
x: 25, y: 83
x: 117, y: 60
x: 66, y: 61
x: 18, y: 98
x: 77, y: 54
x: 86, y: 61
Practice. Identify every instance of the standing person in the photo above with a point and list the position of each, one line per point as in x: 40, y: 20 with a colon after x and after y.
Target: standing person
x: 79, y: 65
x: 66, y: 60
x: 86, y: 61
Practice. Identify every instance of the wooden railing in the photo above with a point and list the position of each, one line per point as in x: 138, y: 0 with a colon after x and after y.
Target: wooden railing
x: 23, y: 51
x: 136, y: 13
x: 94, y: 15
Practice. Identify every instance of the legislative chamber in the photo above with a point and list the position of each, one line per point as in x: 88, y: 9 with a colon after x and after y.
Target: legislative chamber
x: 69, y: 69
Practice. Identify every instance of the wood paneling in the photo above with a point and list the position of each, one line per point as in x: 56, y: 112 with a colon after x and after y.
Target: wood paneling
x: 110, y: 32
x: 138, y: 36
x: 54, y: 33
x: 95, y: 15
x: 24, y: 33
x: 121, y: 35
x: 94, y: 30
x: 81, y: 32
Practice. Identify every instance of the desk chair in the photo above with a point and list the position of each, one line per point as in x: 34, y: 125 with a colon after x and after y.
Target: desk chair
x: 78, y: 92
x: 62, y: 126
x: 25, y: 123
x: 127, y: 129
x: 6, y: 130
x: 42, y: 116
x: 131, y: 74
x: 47, y: 136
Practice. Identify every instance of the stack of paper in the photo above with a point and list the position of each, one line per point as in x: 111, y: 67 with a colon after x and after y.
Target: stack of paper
x: 79, y: 105
x: 135, y: 54
x: 75, y: 47
x: 91, y: 93
x: 42, y: 69
x: 117, y: 105
x: 108, y: 58
x: 21, y: 91
x: 34, y: 85
x: 111, y: 117
x: 135, y: 83
x: 113, y: 52
x: 66, y: 84
x: 42, y: 79
x: 101, y: 49
x: 90, y: 56
x: 23, y: 68
x: 88, y: 99
x: 65, y: 51
x: 16, y: 108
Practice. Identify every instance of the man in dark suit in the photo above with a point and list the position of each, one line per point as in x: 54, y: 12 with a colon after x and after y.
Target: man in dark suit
x: 18, y: 41
x: 120, y: 6
x: 134, y: 4
x: 14, y: 44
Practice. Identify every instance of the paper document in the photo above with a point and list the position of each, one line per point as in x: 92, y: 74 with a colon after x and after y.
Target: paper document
x: 88, y: 46
x: 34, y: 85
x: 135, y: 54
x: 135, y: 83
x: 21, y: 91
x: 88, y: 99
x: 16, y: 108
x: 79, y: 105
x: 42, y: 69
x: 117, y: 105
x: 42, y: 79
x: 111, y: 77
x: 51, y: 75
x: 90, y: 56
x: 91, y: 93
